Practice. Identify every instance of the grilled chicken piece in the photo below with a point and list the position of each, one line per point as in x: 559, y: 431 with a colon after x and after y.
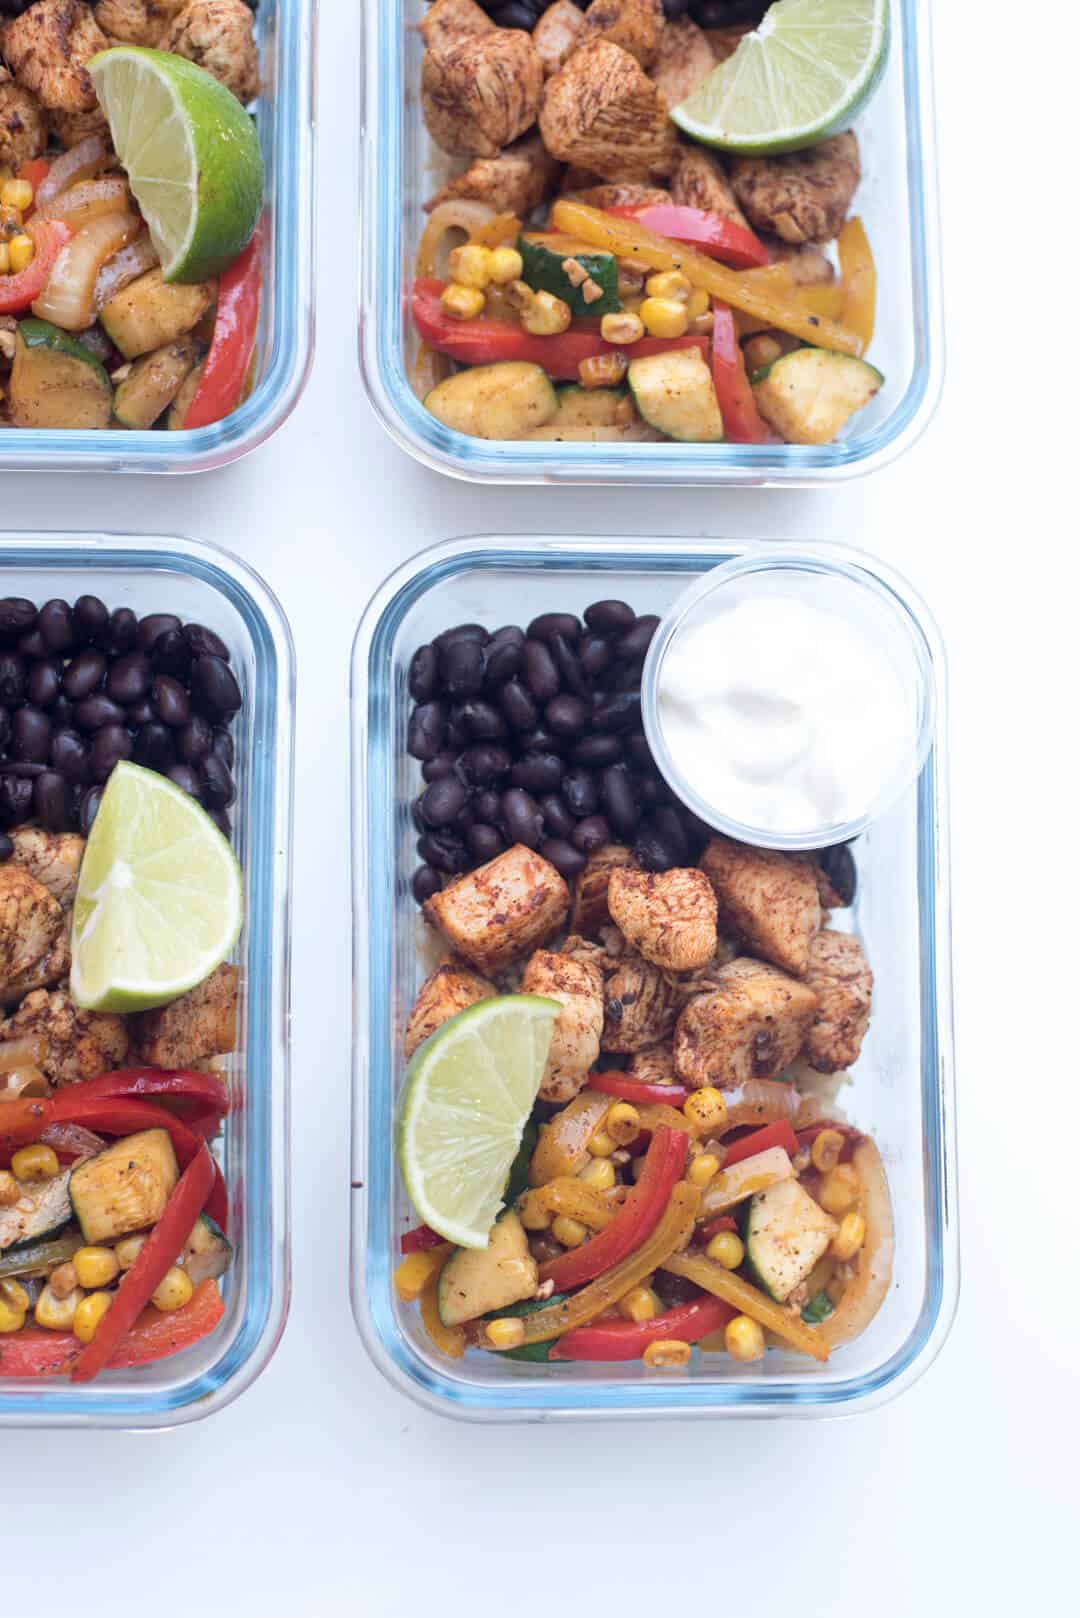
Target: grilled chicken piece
x: 451, y: 22
x: 802, y: 196
x: 218, y: 35
x: 136, y: 22
x: 655, y: 1065
x: 668, y: 917
x: 603, y: 112
x: 683, y: 60
x: 517, y: 181
x: 575, y: 1043
x: 843, y: 982
x: 23, y: 131
x: 560, y: 31
x: 47, y: 971
x: 808, y: 265
x: 482, y: 94
x: 767, y: 899
x: 700, y: 181
x: 70, y: 128
x: 590, y: 911
x: 52, y: 858
x: 640, y: 1005
x: 47, y: 49
x: 188, y: 1031
x: 30, y: 920
x: 750, y: 1027
x: 502, y: 910
x: 620, y: 196
x: 635, y: 26
x: 79, y: 1044
x: 451, y: 988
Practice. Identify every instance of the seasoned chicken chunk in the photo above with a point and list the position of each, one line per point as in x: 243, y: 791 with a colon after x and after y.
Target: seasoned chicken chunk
x: 603, y: 112
x: 219, y: 36
x: 451, y: 988
x: 700, y: 181
x: 451, y: 22
x: 47, y: 49
x: 201, y: 1024
x: 53, y: 858
x: 750, y: 1027
x: 767, y: 899
x: 559, y: 32
x: 802, y: 196
x: 517, y: 181
x: 502, y: 910
x: 71, y: 128
x: 635, y: 26
x: 590, y: 911
x: 47, y: 971
x: 669, y: 917
x: 482, y: 94
x: 640, y: 1004
x: 79, y: 1044
x: 655, y: 1065
x: 843, y: 982
x: 620, y: 196
x: 30, y: 920
x: 136, y: 22
x: 683, y: 59
x: 23, y: 132
x: 575, y: 1043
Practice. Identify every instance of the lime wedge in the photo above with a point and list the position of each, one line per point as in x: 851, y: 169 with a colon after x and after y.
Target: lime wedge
x: 191, y: 154
x: 801, y: 75
x: 467, y: 1097
x: 160, y: 899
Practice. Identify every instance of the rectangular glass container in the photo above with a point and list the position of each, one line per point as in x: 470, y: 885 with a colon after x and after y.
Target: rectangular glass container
x: 904, y: 1090
x: 285, y: 31
x: 203, y: 584
x: 896, y: 199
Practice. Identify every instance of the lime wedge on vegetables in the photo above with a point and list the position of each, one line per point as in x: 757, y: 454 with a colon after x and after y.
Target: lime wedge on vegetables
x: 160, y: 899
x: 191, y: 154
x: 468, y: 1093
x: 801, y: 75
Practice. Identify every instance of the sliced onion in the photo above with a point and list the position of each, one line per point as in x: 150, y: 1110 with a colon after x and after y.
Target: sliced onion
x: 89, y: 157
x: 23, y: 1082
x: 73, y: 1140
x: 865, y: 1295
x: 457, y: 214
x: 68, y: 298
x: 29, y: 1051
x: 88, y: 199
x: 429, y: 369
x: 123, y: 268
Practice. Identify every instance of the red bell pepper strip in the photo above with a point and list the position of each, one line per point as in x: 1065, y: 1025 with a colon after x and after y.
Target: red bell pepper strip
x: 717, y: 1226
x: 421, y: 1240
x: 156, y: 1257
x: 154, y: 1336
x: 17, y: 292
x: 760, y: 1140
x: 34, y: 171
x: 206, y: 1091
x: 635, y: 1220
x: 628, y: 1089
x: 233, y: 342
x: 628, y: 1339
x: 486, y: 342
x: 710, y: 233
x: 742, y: 419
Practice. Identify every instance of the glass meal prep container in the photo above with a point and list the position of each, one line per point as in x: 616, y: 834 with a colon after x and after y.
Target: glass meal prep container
x: 285, y: 32
x: 896, y: 199
x: 201, y: 583
x: 903, y: 1095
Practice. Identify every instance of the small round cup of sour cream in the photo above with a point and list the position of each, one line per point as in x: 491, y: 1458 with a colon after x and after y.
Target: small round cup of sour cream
x: 788, y: 696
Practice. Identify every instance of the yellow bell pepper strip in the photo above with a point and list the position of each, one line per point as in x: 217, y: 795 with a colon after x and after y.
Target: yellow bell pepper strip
x: 672, y: 1233
x: 627, y: 239
x: 576, y: 1200
x: 416, y: 1270
x: 858, y: 274
x: 450, y: 1339
x: 866, y: 1293
x: 563, y: 1147
x: 505, y: 227
x: 656, y: 1116
x: 826, y: 300
x: 726, y: 1284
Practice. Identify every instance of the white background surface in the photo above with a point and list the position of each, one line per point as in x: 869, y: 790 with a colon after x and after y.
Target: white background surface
x: 322, y: 1492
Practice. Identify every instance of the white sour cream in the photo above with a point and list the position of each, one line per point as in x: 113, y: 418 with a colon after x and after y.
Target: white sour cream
x: 782, y: 716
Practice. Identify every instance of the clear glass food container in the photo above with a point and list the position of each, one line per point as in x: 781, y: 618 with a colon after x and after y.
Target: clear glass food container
x: 897, y: 200
x: 285, y: 31
x: 903, y: 1090
x: 203, y: 584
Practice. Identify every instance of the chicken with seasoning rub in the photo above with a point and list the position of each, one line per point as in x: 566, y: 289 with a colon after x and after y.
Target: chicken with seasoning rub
x: 78, y: 1044
x: 47, y: 49
x: 480, y: 95
x: 190, y: 1031
x: 669, y: 918
x: 575, y: 1042
x: 501, y: 911
x: 769, y: 900
x: 636, y: 26
x: 53, y: 858
x: 842, y: 980
x: 683, y: 59
x: 559, y: 32
x: 451, y: 988
x: 23, y: 129
x: 31, y: 920
x: 218, y: 35
x: 601, y: 110
x: 750, y: 1027
x: 802, y: 196
x: 516, y: 181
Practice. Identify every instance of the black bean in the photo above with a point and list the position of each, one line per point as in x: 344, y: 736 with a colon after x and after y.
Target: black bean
x: 504, y: 660
x: 128, y: 680
x: 473, y: 632
x: 538, y: 772
x: 522, y: 817
x: 487, y: 806
x: 93, y: 712
x: 620, y: 804
x: 12, y: 678
x: 32, y: 646
x: 85, y: 673
x: 435, y: 768
x: 88, y: 809
x: 427, y: 730
x: 443, y: 850
x: 171, y: 701
x: 511, y: 634
x: 635, y: 643
x: 5, y: 727
x: 567, y: 860
x: 221, y: 821
x: 461, y: 668
x: 90, y: 618
x: 417, y: 818
x: 591, y: 833
x: 550, y: 624
x: 154, y: 747
x: 141, y: 713
x: 484, y: 763
x: 55, y: 626
x: 541, y: 675
x: 70, y: 755
x: 52, y: 801
x: 62, y: 715
x: 838, y: 863
x: 7, y: 847
x: 651, y: 791
x: 110, y: 744
x: 610, y: 617
x: 558, y: 821
x: 568, y: 664
x: 482, y: 721
x: 674, y: 9
x: 123, y: 630
x: 17, y: 617
x: 457, y: 734
x: 183, y: 776
x: 171, y: 654
x: 542, y: 740
x: 153, y: 625
x: 652, y: 850
x: 625, y: 677
x: 443, y: 801
x: 596, y: 751
x: 43, y: 683
x: 668, y: 823
x: 580, y: 791
x: 214, y: 691
x: 462, y: 821
x: 595, y: 655
x: 223, y: 746
x: 31, y: 736
x: 518, y: 706
x: 204, y: 642
x: 638, y: 751
x: 424, y: 674
x: 426, y: 883
x: 485, y: 842
x: 619, y: 713
x: 218, y: 786
x: 16, y: 799
x: 566, y: 715
x: 515, y: 14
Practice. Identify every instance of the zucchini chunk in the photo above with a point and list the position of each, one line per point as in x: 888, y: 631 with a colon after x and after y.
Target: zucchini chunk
x: 505, y: 400
x: 44, y: 1206
x: 635, y: 432
x: 543, y: 254
x: 674, y: 392
x: 475, y: 1281
x: 153, y: 384
x: 55, y: 381
x: 810, y: 395
x: 786, y: 1232
x: 124, y: 1188
x: 151, y: 312
x: 207, y: 1252
x: 589, y: 407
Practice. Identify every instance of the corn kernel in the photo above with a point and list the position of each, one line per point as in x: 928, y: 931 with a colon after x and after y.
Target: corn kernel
x: 668, y: 1354
x: 601, y: 1144
x: 544, y: 315
x: 570, y: 1232
x: 5, y: 258
x: 603, y: 370
x: 505, y: 1333
x: 505, y: 265
x: 57, y: 1314
x: 726, y: 1249
x: 706, y: 1109
x: 470, y: 266
x: 664, y: 317
x: 15, y: 1294
x: 17, y: 194
x: 640, y: 1304
x: 760, y: 351
x: 825, y: 1150
x: 534, y: 1215
x: 839, y: 1189
x: 21, y: 252
x: 698, y: 303
x: 703, y: 1169
x: 96, y: 1266
x: 415, y: 1271
x: 12, y: 1317
x: 89, y: 1315
x: 600, y: 1172
x: 174, y: 1290
x: 744, y: 1338
x: 623, y: 1123
x: 461, y: 303
x: 850, y: 1237
x: 622, y: 327
x: 35, y: 1163
x: 669, y: 284
x: 9, y: 1189
x: 128, y: 1251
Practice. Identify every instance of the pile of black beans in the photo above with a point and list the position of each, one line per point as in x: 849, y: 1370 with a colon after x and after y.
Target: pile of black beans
x: 82, y: 688
x: 534, y: 736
